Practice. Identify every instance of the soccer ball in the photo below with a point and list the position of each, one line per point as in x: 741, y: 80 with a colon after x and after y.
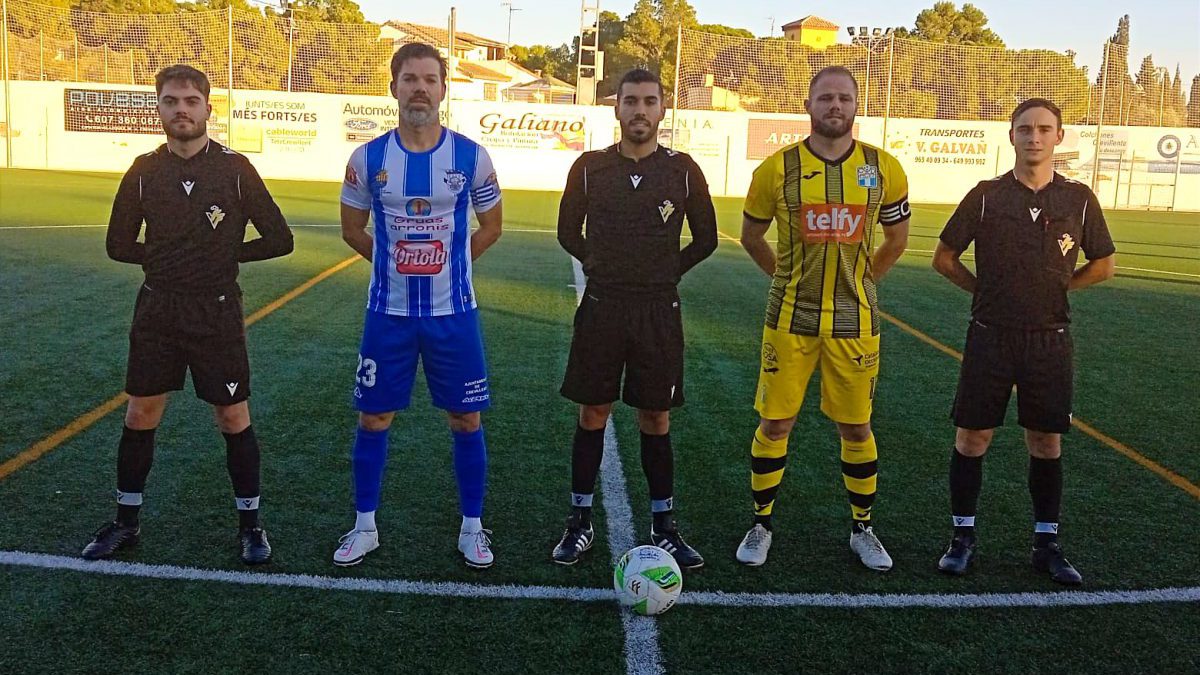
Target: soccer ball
x: 647, y: 579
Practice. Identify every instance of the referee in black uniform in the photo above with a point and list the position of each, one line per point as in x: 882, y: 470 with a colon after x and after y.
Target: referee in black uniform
x: 195, y: 197
x: 634, y: 196
x: 1028, y: 227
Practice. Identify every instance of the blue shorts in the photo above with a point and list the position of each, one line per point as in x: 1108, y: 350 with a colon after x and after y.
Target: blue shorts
x: 450, y: 348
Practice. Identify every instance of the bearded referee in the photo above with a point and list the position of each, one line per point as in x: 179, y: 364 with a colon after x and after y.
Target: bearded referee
x: 634, y: 197
x: 195, y: 197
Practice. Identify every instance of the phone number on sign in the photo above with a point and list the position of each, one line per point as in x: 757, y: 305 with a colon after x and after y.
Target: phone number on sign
x: 949, y: 160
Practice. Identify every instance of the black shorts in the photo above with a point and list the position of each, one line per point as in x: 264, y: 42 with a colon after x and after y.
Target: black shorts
x: 1039, y: 363
x: 641, y: 337
x: 172, y: 333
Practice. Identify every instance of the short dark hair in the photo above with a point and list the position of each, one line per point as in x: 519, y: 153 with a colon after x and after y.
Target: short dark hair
x: 417, y: 50
x: 182, y: 73
x: 1037, y: 103
x: 638, y: 76
x: 833, y: 70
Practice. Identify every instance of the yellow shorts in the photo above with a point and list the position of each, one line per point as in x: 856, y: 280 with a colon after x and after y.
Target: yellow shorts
x: 849, y: 370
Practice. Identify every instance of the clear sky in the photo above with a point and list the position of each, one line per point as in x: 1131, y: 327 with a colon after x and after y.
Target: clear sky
x: 1168, y: 29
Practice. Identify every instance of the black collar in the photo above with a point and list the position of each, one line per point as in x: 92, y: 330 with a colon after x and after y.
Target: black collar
x: 833, y: 162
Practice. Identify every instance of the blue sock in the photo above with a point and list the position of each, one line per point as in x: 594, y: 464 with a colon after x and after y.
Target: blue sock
x: 470, y: 468
x: 367, y: 461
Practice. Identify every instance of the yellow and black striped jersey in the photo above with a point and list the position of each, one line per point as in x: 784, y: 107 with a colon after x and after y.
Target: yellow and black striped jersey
x: 826, y: 213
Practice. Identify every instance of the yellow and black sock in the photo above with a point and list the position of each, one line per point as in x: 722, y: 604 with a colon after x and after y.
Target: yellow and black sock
x: 860, y: 467
x: 767, y: 461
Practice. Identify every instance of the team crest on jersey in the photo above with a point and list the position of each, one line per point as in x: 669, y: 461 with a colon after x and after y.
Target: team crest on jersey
x: 455, y: 180
x: 666, y: 209
x: 418, y: 208
x: 381, y: 178
x: 868, y: 176
x: 1066, y: 243
x: 215, y: 215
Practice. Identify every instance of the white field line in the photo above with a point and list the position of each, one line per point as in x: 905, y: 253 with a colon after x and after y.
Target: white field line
x: 515, y: 592
x: 643, y: 655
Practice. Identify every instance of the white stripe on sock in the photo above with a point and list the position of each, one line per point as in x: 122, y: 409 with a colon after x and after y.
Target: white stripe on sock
x: 246, y: 503
x: 1046, y: 528
x: 129, y: 498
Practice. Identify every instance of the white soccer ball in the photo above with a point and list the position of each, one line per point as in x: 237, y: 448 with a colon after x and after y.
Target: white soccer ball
x: 647, y: 579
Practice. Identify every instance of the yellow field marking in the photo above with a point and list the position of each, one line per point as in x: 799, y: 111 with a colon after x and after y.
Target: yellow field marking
x: 37, y: 450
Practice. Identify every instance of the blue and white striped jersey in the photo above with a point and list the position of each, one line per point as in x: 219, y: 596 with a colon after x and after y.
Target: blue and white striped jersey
x: 418, y: 203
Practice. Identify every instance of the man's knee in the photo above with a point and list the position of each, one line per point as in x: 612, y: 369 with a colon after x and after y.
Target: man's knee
x: 375, y: 421
x: 973, y: 442
x: 465, y: 423
x: 654, y: 422
x: 776, y: 429
x: 1043, y: 445
x: 145, y: 412
x: 232, y: 419
x: 593, y: 417
x: 855, y: 433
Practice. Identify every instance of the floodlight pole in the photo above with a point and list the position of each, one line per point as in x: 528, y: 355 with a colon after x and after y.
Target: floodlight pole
x: 887, y: 108
x: 1100, y: 119
x: 229, y: 88
x: 287, y: 5
x: 675, y: 96
x: 8, y: 160
x: 452, y: 69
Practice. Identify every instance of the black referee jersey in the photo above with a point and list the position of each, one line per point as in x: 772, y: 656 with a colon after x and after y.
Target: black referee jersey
x: 195, y: 211
x: 634, y: 212
x: 1026, y: 247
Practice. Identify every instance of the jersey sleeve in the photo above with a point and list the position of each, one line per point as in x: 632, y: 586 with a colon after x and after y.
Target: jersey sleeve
x: 275, y: 238
x: 356, y: 193
x: 960, y: 230
x: 485, y: 190
x: 701, y: 219
x: 895, y: 208
x: 125, y: 221
x: 1097, y: 242
x: 572, y: 211
x: 763, y: 196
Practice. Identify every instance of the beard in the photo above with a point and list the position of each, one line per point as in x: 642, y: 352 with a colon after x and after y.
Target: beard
x: 832, y: 128
x: 638, y: 133
x: 417, y: 117
x: 197, y: 130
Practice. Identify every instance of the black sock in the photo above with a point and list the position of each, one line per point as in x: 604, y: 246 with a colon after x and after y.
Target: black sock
x: 135, y: 454
x: 587, y: 450
x: 658, y: 464
x: 583, y: 514
x: 966, y: 480
x: 765, y: 521
x: 1045, y: 487
x: 243, y: 460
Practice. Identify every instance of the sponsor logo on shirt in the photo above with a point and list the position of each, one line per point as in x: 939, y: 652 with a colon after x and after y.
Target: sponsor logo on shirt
x: 418, y: 207
x: 420, y: 257
x: 833, y: 223
x: 1066, y: 243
